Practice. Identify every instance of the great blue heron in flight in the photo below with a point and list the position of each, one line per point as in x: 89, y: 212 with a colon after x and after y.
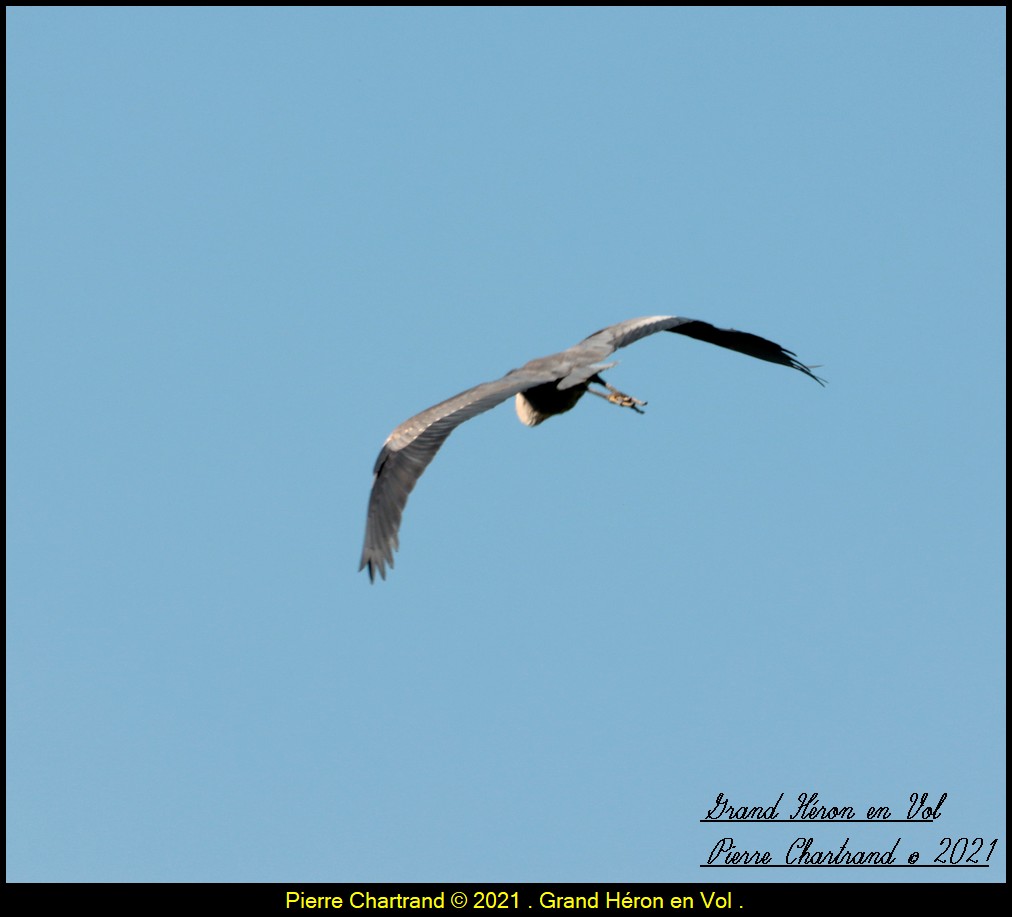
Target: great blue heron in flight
x: 543, y: 388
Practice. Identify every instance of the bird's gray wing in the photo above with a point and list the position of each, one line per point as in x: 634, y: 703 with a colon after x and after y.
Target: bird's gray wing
x: 611, y: 338
x: 408, y: 451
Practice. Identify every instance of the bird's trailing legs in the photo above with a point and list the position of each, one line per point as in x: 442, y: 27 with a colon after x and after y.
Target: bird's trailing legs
x: 615, y: 396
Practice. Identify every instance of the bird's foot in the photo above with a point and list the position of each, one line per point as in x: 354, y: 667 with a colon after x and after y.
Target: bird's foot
x: 626, y: 401
x: 623, y: 400
x: 620, y: 398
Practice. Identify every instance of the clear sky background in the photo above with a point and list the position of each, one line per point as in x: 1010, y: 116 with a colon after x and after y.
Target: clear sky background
x: 243, y: 245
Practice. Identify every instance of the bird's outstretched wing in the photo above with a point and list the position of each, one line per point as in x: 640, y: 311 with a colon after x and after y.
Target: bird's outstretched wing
x: 408, y: 451
x: 628, y: 332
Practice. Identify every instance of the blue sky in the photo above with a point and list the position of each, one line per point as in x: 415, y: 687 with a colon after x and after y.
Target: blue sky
x: 243, y: 245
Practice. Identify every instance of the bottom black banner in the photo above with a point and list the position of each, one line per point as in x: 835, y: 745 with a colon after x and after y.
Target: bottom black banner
x: 449, y: 897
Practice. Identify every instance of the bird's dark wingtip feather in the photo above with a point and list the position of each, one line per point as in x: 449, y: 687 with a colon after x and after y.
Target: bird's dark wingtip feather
x: 790, y: 358
x: 744, y: 342
x: 374, y: 566
x: 807, y: 370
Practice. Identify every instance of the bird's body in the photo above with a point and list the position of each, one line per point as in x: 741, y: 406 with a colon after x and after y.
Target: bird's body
x: 546, y: 400
x: 543, y: 388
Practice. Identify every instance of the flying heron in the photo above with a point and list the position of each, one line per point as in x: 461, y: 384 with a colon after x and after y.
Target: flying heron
x: 543, y: 388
